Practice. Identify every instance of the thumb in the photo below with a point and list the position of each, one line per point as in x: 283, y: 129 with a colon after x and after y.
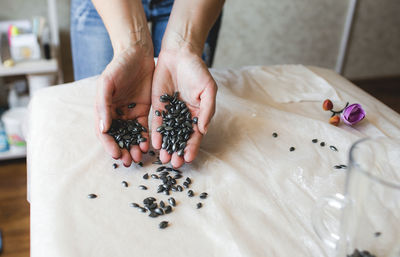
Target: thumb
x: 207, y: 107
x: 105, y: 90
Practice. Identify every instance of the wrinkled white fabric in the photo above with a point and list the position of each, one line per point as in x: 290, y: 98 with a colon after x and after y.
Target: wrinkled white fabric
x: 261, y: 195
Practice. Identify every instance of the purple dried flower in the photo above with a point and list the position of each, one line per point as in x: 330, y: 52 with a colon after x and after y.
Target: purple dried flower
x: 352, y: 114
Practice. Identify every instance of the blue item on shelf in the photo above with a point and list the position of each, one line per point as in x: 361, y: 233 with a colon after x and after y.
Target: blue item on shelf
x: 4, y: 146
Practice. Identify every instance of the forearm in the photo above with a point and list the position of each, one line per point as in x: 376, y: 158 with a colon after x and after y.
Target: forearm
x: 190, y: 22
x: 126, y: 23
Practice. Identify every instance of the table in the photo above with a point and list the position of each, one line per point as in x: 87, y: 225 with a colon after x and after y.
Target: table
x: 261, y: 195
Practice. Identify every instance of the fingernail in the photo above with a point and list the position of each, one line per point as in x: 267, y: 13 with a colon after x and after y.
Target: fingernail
x: 101, y: 126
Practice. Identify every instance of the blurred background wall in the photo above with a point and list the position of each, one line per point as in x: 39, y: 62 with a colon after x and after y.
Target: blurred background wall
x: 267, y: 32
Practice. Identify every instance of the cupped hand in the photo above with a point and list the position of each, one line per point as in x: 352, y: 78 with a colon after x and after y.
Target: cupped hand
x: 127, y: 79
x: 183, y: 71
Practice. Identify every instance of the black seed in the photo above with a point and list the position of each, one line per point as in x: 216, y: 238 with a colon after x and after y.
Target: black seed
x: 172, y: 201
x: 339, y: 166
x: 154, y: 176
x: 343, y: 166
x: 174, y: 188
x: 274, y: 134
x: 141, y: 209
x: 181, y: 153
x: 166, y: 192
x: 188, y: 180
x: 124, y: 183
x: 292, y: 149
x: 199, y: 205
x: 180, y: 189
x: 186, y: 184
x: 377, y: 234
x: 119, y: 112
x: 151, y: 198
x: 160, y: 168
x: 146, y: 176
x: 92, y: 196
x: 158, y: 113
x: 142, y: 187
x: 135, y: 205
x: 163, y: 224
x: 162, y: 204
x: 203, y: 195
x: 333, y: 148
x: 159, y: 211
x: 177, y: 176
x: 152, y: 206
x: 152, y: 153
x: 115, y: 165
x: 153, y: 215
x: 157, y: 162
x: 315, y: 140
x: 140, y: 164
x: 190, y: 193
x: 168, y: 209
x: 131, y: 105
x: 322, y: 144
x: 195, y: 120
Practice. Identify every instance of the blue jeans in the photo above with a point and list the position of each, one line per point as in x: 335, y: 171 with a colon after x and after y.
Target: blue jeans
x: 91, y: 45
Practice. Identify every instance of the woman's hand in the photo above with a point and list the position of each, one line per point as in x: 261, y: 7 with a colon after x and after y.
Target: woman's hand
x: 183, y: 70
x: 127, y: 79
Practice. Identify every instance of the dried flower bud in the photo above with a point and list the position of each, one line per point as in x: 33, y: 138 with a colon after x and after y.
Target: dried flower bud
x: 327, y: 105
x: 335, y: 120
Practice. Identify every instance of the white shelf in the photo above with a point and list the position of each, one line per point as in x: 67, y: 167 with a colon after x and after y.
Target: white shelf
x: 30, y: 67
x: 13, y: 153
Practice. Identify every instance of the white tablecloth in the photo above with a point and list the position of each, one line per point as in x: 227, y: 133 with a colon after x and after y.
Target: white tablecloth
x: 260, y: 194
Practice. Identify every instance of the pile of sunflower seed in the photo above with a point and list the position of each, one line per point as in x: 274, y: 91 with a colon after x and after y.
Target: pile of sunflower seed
x: 170, y: 178
x: 127, y: 133
x: 177, y: 123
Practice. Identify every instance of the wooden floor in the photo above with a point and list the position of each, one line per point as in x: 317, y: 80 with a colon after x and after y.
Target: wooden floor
x: 14, y: 209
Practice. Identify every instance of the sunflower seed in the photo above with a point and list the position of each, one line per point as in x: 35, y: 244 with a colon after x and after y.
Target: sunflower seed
x: 92, y: 196
x: 163, y: 224
x: 142, y: 187
x: 190, y: 193
x: 292, y: 149
x: 124, y: 183
x: 274, y: 134
x: 146, y: 176
x: 315, y: 140
x: 135, y: 205
x: 333, y: 148
x: 203, y: 195
x: 172, y: 201
x: 199, y: 205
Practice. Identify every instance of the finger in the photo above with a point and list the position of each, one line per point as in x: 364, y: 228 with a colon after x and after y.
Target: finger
x: 156, y: 138
x: 108, y: 142
x: 144, y: 146
x: 135, y: 153
x: 176, y: 160
x: 105, y: 89
x: 164, y: 156
x: 126, y: 158
x: 192, y: 147
x: 207, y: 107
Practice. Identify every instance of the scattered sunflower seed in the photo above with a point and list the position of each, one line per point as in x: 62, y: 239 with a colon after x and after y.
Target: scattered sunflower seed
x: 135, y: 205
x: 195, y: 120
x: 292, y: 149
x: 140, y: 164
x: 124, y: 183
x: 203, y: 195
x: 152, y: 153
x: 333, y: 148
x: 172, y: 201
x: 190, y: 193
x: 142, y: 187
x: 163, y: 224
x: 315, y: 140
x: 92, y: 196
x: 322, y: 144
x: 162, y: 204
x: 274, y: 134
x: 153, y: 215
x: 168, y: 209
x: 146, y: 176
x: 115, y: 165
x: 141, y: 209
x: 154, y: 176
x: 199, y: 205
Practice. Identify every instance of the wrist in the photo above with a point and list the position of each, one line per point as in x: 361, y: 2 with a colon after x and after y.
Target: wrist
x: 182, y: 41
x: 133, y: 37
